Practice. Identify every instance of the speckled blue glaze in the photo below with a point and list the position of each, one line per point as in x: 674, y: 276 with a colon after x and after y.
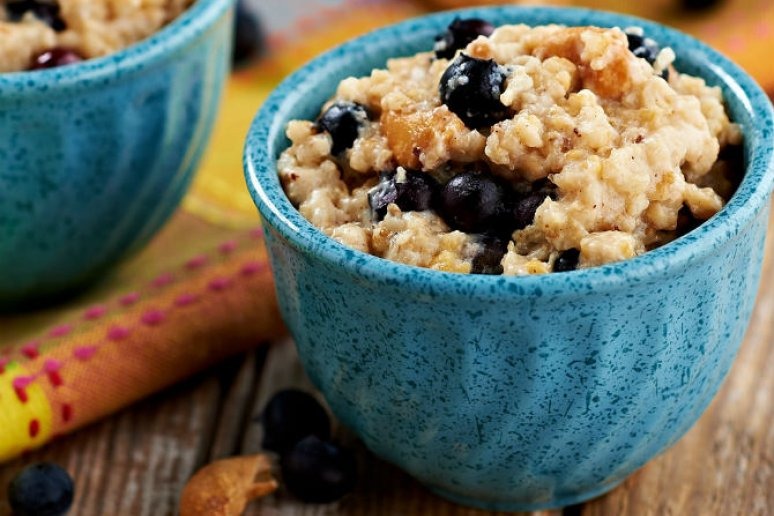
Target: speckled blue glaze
x: 94, y: 157
x: 516, y: 393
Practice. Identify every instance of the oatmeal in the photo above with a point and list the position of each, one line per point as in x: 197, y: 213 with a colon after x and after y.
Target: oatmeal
x: 516, y: 150
x: 45, y: 33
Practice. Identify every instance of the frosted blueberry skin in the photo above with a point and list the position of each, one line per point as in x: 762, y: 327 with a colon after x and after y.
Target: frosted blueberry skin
x: 458, y: 34
x: 471, y: 89
x: 516, y: 393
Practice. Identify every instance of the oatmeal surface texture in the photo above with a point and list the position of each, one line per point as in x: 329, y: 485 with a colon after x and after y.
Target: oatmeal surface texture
x: 93, y: 28
x: 628, y: 153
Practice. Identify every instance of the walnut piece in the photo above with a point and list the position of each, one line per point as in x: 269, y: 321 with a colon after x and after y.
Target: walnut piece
x: 225, y: 487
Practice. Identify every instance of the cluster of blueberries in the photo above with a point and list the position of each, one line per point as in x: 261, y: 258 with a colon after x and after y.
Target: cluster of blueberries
x: 471, y: 201
x: 314, y: 469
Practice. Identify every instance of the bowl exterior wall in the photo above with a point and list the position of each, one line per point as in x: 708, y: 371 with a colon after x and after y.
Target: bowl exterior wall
x: 91, y: 173
x: 520, y: 402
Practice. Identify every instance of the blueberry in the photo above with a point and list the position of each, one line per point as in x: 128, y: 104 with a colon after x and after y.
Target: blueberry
x: 698, y: 5
x: 525, y: 207
x: 54, y: 58
x: 477, y: 203
x: 641, y: 46
x: 410, y: 190
x: 471, y: 89
x: 248, y: 34
x: 290, y: 416
x: 316, y: 471
x: 459, y: 34
x: 42, y: 489
x: 45, y: 11
x: 343, y: 121
x: 487, y: 261
x: 567, y: 261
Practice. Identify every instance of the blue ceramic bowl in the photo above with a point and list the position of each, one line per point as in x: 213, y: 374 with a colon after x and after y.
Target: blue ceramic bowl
x: 516, y: 393
x: 94, y: 157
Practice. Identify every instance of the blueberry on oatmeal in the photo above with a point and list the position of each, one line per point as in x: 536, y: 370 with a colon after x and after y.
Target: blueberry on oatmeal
x: 54, y: 58
x: 45, y: 11
x: 459, y: 34
x: 477, y: 203
x: 567, y: 261
x: 471, y: 89
x: 343, y: 120
x: 488, y: 259
x: 409, y: 189
x: 642, y: 46
x: 525, y: 207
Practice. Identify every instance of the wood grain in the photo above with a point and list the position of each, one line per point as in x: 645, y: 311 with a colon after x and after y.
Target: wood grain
x: 137, y: 462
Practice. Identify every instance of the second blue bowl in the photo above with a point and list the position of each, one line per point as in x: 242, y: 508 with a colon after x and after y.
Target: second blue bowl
x: 94, y: 157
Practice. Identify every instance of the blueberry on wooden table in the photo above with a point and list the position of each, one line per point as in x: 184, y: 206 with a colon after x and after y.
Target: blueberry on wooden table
x: 316, y: 471
x: 45, y: 11
x: 567, y: 261
x: 249, y: 39
x: 471, y: 89
x: 477, y: 203
x: 409, y: 189
x: 55, y: 57
x: 343, y: 120
x: 42, y: 489
x: 459, y: 34
x: 290, y: 416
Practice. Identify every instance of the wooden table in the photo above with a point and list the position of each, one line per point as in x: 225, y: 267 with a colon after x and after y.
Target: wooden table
x: 137, y: 462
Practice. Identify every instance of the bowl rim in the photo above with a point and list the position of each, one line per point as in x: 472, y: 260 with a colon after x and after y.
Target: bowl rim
x: 279, y: 214
x: 192, y: 22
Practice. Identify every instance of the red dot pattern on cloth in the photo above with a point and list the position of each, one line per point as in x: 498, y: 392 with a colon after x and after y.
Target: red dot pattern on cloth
x: 34, y: 429
x: 84, y: 352
x: 227, y: 247
x: 163, y: 280
x: 30, y: 350
x: 219, y: 284
x: 153, y: 317
x: 185, y: 300
x: 251, y: 268
x: 20, y: 384
x: 95, y: 312
x: 54, y: 371
x: 129, y: 299
x: 117, y: 333
x: 61, y: 330
x: 197, y: 262
x: 67, y: 412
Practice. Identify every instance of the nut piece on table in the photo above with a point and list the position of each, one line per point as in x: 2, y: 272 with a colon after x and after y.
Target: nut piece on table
x: 225, y: 487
